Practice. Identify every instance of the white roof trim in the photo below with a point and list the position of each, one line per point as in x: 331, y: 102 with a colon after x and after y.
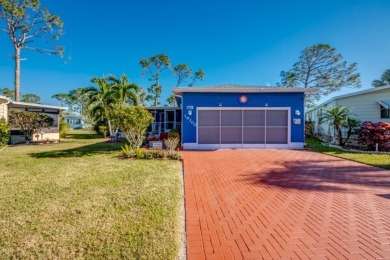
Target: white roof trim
x: 4, y: 97
x: 37, y: 105
x: 385, y: 103
x: 240, y: 90
x: 349, y: 95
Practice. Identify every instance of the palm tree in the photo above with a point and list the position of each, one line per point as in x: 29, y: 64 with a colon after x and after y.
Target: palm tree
x: 124, y: 91
x: 337, y: 117
x: 350, y: 124
x: 102, y: 101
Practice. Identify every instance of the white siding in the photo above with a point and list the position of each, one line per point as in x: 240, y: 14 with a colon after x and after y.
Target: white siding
x: 365, y: 107
x: 3, y: 110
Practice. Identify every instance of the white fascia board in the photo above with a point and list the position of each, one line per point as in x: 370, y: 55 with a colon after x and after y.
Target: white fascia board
x: 241, y: 90
x: 37, y: 105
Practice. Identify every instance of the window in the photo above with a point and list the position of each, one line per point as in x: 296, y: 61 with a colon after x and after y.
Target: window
x: 385, y: 113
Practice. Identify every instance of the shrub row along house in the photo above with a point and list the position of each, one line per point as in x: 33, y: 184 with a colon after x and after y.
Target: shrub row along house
x: 235, y: 116
x: 52, y: 133
x: 367, y: 105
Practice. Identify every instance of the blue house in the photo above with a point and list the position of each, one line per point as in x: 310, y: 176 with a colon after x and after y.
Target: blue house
x: 237, y: 116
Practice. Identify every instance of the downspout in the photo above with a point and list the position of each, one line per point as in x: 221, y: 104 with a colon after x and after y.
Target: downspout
x: 182, y: 121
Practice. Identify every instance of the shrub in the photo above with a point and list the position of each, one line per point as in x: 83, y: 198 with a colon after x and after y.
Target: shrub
x: 133, y: 121
x: 103, y: 130
x: 175, y: 156
x: 174, y: 134
x: 140, y: 154
x: 5, y: 132
x: 127, y: 152
x: 171, y: 144
x: 64, y: 129
x: 371, y: 134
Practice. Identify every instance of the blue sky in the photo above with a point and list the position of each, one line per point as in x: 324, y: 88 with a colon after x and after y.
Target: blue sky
x: 241, y: 42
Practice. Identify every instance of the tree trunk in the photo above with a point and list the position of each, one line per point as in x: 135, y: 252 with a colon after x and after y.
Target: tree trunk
x: 109, y: 127
x: 340, y: 137
x: 17, y: 73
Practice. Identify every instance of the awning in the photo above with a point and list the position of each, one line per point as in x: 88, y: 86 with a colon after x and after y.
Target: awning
x: 385, y: 103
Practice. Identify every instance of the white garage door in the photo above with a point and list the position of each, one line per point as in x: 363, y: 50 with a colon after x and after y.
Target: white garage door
x: 243, y: 128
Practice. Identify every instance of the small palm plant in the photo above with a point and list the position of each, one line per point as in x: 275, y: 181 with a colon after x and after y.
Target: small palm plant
x: 350, y: 124
x: 336, y: 117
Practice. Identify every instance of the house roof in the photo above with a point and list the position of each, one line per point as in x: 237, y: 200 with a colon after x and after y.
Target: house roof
x: 162, y: 108
x: 23, y: 104
x: 350, y: 95
x: 235, y: 88
x: 4, y: 98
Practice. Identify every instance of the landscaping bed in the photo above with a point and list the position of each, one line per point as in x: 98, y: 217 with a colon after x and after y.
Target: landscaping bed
x: 78, y: 200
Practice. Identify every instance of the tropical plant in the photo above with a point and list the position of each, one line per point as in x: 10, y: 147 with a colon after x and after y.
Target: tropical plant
x: 383, y: 81
x: 336, y: 117
x: 124, y: 91
x: 102, y: 103
x: 29, y: 122
x: 322, y: 68
x: 350, y: 124
x: 133, y: 121
x: 64, y: 129
x: 5, y: 132
x: 27, y: 23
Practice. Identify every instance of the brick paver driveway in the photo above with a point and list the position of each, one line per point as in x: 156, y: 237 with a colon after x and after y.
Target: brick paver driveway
x: 255, y: 204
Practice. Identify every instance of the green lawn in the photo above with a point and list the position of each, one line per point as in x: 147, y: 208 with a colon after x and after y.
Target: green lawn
x: 379, y: 160
x: 78, y: 200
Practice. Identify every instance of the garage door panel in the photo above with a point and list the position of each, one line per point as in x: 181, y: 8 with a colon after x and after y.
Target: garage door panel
x: 237, y: 127
x: 209, y: 135
x: 231, y: 135
x: 277, y: 117
x: 254, y: 118
x: 208, y: 118
x: 277, y: 135
x: 254, y: 135
x: 231, y: 118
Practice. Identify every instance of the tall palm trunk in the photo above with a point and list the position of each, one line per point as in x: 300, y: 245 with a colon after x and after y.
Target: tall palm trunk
x: 17, y: 73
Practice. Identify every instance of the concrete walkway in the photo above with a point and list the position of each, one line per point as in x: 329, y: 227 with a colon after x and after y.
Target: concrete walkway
x: 253, y: 204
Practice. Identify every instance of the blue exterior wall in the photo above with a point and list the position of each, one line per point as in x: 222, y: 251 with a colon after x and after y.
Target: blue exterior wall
x: 293, y: 100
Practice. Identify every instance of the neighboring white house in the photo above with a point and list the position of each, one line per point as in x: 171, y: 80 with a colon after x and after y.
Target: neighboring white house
x: 3, y: 107
x: 368, y: 105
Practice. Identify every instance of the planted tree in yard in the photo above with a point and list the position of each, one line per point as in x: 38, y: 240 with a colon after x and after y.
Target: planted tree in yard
x: 29, y: 122
x: 5, y: 131
x: 29, y: 26
x: 154, y: 66
x: 124, y: 91
x: 322, y: 68
x: 339, y: 117
x: 383, y: 81
x: 64, y: 129
x: 134, y: 121
x: 102, y: 103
